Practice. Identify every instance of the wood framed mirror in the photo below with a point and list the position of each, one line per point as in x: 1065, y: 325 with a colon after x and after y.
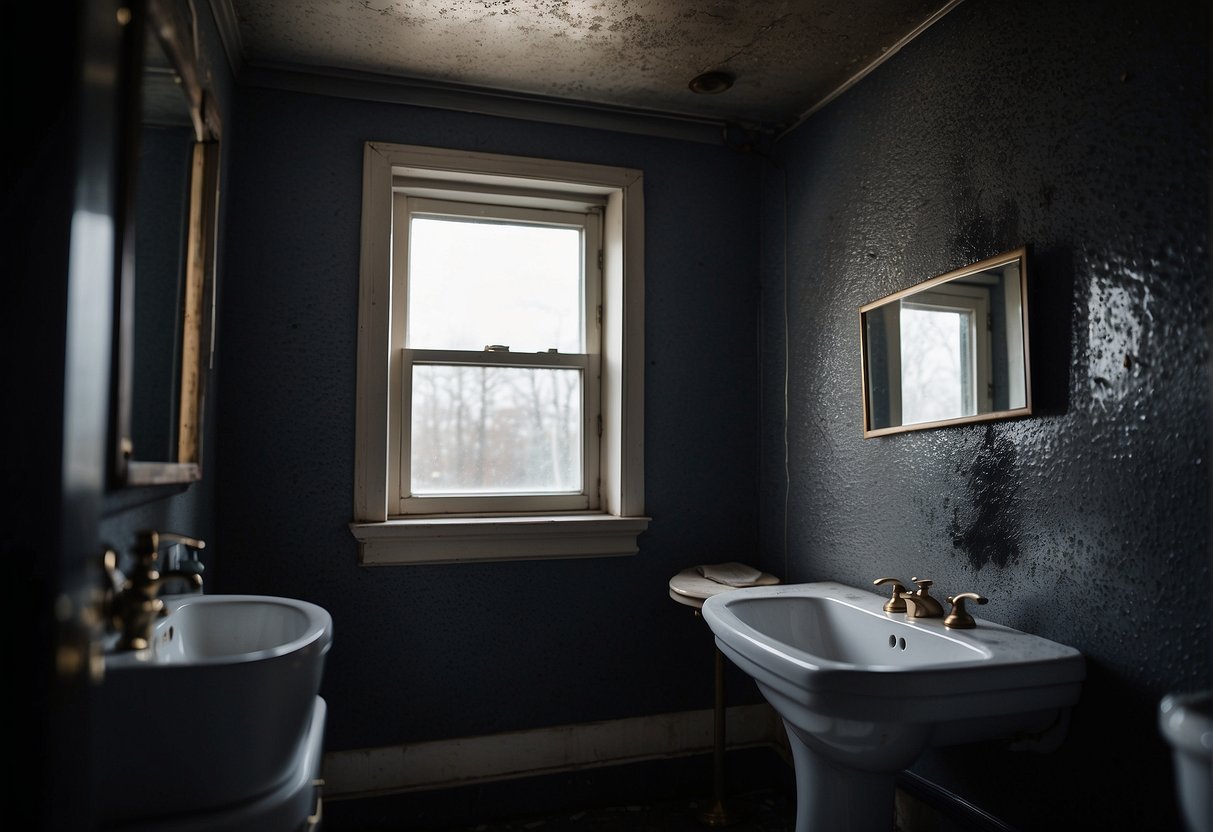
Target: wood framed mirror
x: 169, y: 222
x: 951, y: 350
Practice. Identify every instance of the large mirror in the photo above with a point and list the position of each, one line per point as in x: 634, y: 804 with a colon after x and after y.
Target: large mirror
x: 167, y: 282
x: 950, y: 350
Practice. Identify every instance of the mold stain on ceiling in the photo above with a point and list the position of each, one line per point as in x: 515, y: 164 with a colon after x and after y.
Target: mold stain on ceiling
x: 787, y: 57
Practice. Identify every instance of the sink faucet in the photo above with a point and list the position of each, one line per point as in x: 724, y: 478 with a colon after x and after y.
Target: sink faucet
x: 920, y: 603
x: 895, y: 603
x: 135, y: 604
x: 959, y: 618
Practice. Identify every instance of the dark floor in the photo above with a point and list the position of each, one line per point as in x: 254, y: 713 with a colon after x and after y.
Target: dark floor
x: 655, y: 796
x: 763, y: 811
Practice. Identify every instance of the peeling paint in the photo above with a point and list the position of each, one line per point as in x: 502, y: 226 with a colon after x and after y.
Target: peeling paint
x: 788, y: 54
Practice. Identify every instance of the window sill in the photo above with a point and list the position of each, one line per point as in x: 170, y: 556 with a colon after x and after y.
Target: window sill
x: 461, y: 539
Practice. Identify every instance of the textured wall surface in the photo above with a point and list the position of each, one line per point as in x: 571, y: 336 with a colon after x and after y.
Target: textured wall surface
x: 1082, y: 131
x: 433, y: 652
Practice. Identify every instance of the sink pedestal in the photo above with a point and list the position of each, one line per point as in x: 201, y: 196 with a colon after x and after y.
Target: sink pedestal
x: 832, y: 797
x: 691, y: 588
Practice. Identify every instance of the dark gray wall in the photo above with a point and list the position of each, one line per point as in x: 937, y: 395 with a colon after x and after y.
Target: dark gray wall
x: 429, y: 652
x: 1081, y: 130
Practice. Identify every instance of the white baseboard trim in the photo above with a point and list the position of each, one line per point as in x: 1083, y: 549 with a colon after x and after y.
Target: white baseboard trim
x: 440, y: 764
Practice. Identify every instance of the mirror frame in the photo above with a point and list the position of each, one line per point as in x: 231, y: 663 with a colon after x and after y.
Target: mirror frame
x: 175, y: 29
x: 1019, y: 255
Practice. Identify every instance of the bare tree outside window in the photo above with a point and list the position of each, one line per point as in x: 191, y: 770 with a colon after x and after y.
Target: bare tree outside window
x: 495, y: 430
x: 936, y: 365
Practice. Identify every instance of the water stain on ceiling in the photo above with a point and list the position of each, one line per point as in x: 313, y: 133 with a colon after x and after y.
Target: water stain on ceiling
x: 786, y: 57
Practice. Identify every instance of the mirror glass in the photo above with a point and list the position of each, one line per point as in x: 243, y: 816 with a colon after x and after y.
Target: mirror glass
x: 162, y: 201
x: 165, y: 294
x: 950, y: 350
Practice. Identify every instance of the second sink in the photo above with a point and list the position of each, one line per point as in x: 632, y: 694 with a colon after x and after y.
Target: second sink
x: 863, y: 691
x: 214, y: 712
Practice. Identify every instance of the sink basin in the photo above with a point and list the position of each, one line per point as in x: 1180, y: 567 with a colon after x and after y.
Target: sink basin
x: 1186, y: 721
x: 215, y: 712
x: 864, y: 692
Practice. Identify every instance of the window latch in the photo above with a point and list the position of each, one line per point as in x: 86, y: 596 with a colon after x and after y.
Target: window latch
x: 496, y: 348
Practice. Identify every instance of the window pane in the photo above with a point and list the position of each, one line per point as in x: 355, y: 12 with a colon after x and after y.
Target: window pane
x: 474, y: 283
x: 936, y: 364
x: 495, y: 430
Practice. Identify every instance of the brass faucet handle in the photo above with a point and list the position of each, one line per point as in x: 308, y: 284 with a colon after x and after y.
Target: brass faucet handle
x: 168, y: 539
x: 922, y: 584
x: 109, y: 566
x: 896, y: 603
x: 152, y: 541
x: 959, y: 618
x: 149, y: 542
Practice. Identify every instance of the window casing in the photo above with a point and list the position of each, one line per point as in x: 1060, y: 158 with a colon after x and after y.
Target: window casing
x: 400, y: 517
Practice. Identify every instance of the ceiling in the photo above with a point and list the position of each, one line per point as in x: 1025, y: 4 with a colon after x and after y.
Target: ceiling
x: 787, y: 57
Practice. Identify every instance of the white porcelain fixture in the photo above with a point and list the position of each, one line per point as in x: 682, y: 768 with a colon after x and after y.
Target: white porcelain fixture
x: 863, y: 691
x: 217, y: 711
x: 293, y: 805
x: 1186, y: 720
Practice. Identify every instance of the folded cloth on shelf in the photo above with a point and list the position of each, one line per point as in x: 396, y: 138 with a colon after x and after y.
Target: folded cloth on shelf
x: 733, y: 574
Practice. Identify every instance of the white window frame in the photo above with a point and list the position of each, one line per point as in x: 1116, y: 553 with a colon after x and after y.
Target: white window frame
x: 384, y: 534
x: 588, y: 220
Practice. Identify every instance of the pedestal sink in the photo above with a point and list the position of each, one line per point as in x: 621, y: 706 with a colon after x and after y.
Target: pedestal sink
x: 864, y: 692
x: 221, y: 711
x: 1186, y: 721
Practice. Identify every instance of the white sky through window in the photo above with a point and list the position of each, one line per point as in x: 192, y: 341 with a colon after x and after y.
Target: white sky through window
x: 932, y: 364
x: 472, y: 284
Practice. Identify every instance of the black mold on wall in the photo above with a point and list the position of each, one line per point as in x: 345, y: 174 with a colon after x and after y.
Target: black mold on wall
x: 1080, y: 130
x: 985, y: 529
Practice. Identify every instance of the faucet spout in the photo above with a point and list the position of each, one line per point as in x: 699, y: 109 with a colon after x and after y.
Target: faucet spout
x: 920, y: 603
x: 135, y: 601
x: 192, y: 579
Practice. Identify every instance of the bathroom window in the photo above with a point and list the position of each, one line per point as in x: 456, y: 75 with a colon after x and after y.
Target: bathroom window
x: 500, y: 365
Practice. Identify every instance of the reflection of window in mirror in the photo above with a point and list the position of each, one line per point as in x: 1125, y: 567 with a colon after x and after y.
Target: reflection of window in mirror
x: 945, y: 355
x: 951, y: 350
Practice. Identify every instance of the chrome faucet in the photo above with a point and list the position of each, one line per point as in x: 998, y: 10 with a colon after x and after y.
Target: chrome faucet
x: 134, y: 603
x: 920, y: 603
